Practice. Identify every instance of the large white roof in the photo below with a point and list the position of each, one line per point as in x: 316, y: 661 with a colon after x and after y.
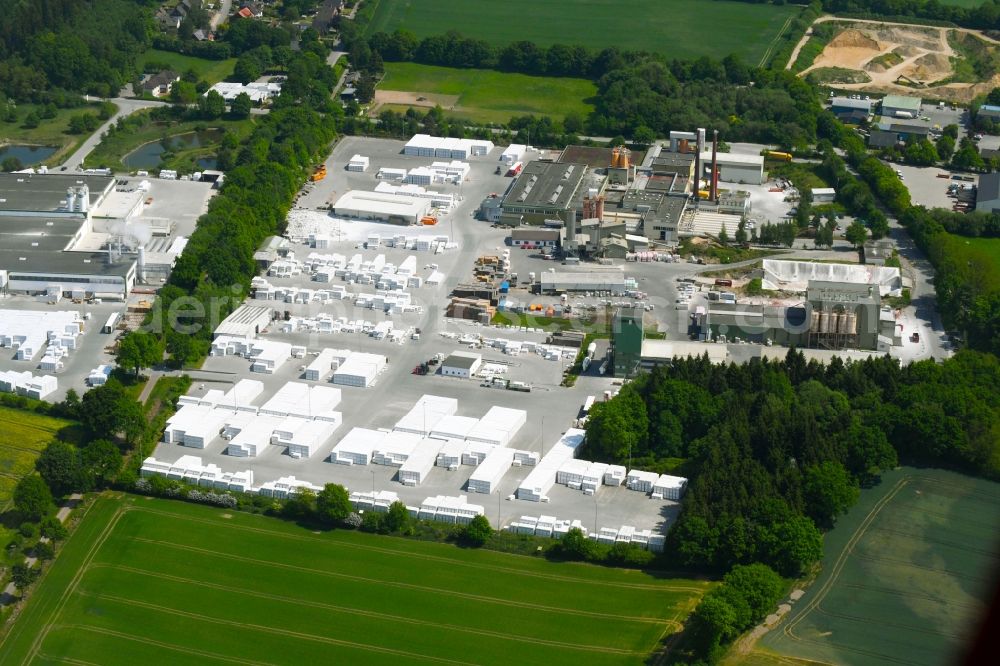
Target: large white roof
x: 381, y: 203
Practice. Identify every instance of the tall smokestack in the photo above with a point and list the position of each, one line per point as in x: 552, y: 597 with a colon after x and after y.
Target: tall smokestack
x: 713, y: 188
x: 142, y: 263
x: 570, y: 223
x: 599, y: 209
x: 698, y: 167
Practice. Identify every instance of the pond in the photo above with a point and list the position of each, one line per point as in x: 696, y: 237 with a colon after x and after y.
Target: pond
x: 147, y: 156
x: 29, y: 155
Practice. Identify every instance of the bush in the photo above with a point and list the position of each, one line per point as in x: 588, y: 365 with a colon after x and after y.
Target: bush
x: 477, y: 532
x: 28, y: 530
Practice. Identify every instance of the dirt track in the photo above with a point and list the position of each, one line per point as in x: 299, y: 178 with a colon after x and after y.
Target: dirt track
x: 428, y: 100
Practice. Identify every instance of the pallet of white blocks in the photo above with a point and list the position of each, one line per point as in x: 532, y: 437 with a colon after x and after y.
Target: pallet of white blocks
x: 614, y: 475
x: 418, y: 465
x: 669, y: 487
x: 379, y: 501
x: 448, y: 509
x: 582, y: 475
x: 641, y: 481
x: 487, y: 476
x: 285, y: 487
x: 191, y: 470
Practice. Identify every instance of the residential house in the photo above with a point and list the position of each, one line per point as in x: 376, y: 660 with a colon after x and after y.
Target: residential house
x: 158, y: 85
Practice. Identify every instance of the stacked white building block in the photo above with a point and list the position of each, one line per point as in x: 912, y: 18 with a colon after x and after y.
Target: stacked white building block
x: 535, y: 486
x: 418, y: 465
x: 99, y: 375
x: 487, y: 476
x: 285, y: 487
x: 447, y: 509
x: 29, y: 330
x: 669, y: 487
x: 379, y: 501
x: 360, y: 369
x: 641, y: 481
x: 426, y: 413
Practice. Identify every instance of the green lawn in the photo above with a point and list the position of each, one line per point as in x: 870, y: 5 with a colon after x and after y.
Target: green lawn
x: 906, y: 574
x: 212, y: 71
x: 677, y: 28
x: 491, y: 96
x: 23, y: 435
x: 168, y: 582
x: 50, y: 132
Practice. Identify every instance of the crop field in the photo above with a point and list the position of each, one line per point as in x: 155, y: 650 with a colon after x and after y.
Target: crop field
x: 169, y: 582
x: 677, y: 28
x: 482, y: 95
x: 23, y: 435
x: 906, y: 575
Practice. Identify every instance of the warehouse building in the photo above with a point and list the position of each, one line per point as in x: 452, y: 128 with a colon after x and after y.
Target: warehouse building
x: 543, y: 191
x: 988, y: 193
x: 796, y: 276
x: 530, y: 239
x: 626, y: 341
x: 42, y: 218
x: 849, y: 110
x: 612, y: 281
x: 246, y: 321
x: 823, y: 195
x: 461, y: 364
x: 889, y: 132
x: 901, y: 106
x: 382, y: 207
x: 736, y: 167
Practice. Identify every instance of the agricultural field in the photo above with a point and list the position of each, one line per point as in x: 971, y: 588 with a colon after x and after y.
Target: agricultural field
x: 906, y: 575
x: 23, y: 435
x: 481, y: 95
x: 211, y: 71
x: 170, y: 582
x: 677, y: 28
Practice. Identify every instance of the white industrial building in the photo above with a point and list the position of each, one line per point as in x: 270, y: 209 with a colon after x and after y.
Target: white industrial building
x: 358, y: 163
x: 258, y: 92
x: 487, y: 476
x: 381, y: 207
x: 795, y: 276
x: 360, y: 369
x: 418, y: 465
x: 613, y: 281
x: 246, y: 321
x: 537, y: 484
x: 461, y: 364
x: 424, y: 416
x: 424, y: 145
x: 737, y: 167
x: 823, y: 195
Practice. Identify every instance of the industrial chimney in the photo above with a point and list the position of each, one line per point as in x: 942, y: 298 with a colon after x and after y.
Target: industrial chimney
x: 713, y: 188
x: 570, y: 224
x: 142, y: 264
x: 599, y: 208
x: 698, y: 166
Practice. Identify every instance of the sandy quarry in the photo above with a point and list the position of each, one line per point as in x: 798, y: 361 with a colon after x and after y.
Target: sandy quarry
x: 920, y: 54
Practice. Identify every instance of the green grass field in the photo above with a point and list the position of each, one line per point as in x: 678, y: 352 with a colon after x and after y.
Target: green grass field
x: 50, y: 131
x: 490, y: 96
x: 906, y: 573
x: 212, y: 71
x: 677, y: 28
x: 23, y: 435
x: 168, y: 582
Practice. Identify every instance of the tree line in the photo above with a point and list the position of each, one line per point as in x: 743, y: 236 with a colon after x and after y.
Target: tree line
x: 986, y: 16
x: 776, y: 450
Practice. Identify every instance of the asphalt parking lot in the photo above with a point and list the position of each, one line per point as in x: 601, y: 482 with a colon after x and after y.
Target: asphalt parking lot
x: 926, y: 188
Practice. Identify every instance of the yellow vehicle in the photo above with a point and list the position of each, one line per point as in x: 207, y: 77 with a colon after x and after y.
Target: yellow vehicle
x: 775, y: 155
x: 319, y: 173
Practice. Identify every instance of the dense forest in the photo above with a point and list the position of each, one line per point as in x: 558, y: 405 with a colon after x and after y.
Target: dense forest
x: 776, y: 450
x: 84, y: 46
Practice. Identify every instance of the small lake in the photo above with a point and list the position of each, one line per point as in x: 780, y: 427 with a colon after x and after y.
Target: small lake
x: 29, y: 155
x: 147, y: 156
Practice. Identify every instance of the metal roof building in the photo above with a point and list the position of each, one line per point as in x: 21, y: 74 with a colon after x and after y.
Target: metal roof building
x: 393, y: 208
x: 246, y: 321
x: 895, y: 103
x: 736, y: 167
x: 544, y: 190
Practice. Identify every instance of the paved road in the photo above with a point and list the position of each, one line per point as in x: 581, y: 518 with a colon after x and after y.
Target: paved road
x: 125, y: 107
x: 225, y: 8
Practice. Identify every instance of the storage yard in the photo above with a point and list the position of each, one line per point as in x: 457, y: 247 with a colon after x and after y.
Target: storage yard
x: 274, y: 592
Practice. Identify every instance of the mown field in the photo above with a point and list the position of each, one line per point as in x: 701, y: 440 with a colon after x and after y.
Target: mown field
x: 906, y: 575
x: 212, y: 71
x: 489, y: 96
x: 168, y: 582
x: 23, y: 435
x: 678, y: 28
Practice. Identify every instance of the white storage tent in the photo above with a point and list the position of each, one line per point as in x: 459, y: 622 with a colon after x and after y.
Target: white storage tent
x: 498, y: 426
x: 419, y: 463
x: 360, y: 369
x: 535, y: 486
x: 426, y: 413
x: 487, y: 476
x: 357, y: 446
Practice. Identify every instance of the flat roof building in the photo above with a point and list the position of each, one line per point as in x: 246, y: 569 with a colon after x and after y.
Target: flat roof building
x: 891, y: 104
x: 246, y: 321
x: 382, y: 207
x: 461, y: 364
x: 736, y: 167
x: 544, y: 190
x: 988, y: 193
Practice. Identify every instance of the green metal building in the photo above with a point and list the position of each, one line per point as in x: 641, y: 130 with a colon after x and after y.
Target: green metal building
x: 626, y: 341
